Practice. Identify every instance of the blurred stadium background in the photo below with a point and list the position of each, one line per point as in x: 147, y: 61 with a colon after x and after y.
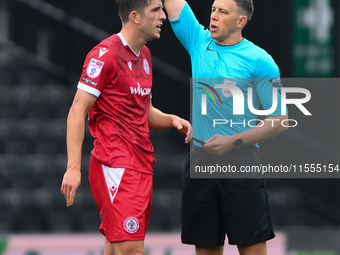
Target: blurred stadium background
x: 43, y: 44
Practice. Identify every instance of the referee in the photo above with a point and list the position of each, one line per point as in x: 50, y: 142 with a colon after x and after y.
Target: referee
x: 225, y: 67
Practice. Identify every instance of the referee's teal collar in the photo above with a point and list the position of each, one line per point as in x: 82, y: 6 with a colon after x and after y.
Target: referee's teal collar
x: 214, y: 46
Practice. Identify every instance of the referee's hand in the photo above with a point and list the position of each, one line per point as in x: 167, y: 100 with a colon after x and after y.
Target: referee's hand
x: 71, y: 182
x: 219, y: 144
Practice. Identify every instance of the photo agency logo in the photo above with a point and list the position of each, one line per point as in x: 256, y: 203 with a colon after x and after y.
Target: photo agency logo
x: 244, y: 100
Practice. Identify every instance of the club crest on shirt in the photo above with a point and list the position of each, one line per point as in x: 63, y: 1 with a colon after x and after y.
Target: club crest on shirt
x: 146, y: 66
x: 131, y: 225
x: 94, y: 68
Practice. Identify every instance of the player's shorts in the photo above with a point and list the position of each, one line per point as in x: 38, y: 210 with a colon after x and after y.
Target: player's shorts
x: 212, y: 208
x: 123, y: 197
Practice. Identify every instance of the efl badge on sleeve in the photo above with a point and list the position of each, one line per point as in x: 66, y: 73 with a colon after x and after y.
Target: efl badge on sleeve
x: 94, y: 68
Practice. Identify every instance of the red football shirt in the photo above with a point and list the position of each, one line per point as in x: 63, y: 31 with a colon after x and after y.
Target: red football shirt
x: 121, y: 80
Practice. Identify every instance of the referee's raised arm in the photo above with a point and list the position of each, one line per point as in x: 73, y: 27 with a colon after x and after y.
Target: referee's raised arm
x: 174, y: 8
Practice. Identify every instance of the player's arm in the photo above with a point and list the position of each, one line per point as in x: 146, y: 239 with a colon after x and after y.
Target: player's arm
x: 270, y: 127
x: 174, y: 8
x: 82, y: 103
x: 158, y: 120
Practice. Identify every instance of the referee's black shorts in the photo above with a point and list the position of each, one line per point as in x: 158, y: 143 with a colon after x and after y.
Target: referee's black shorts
x: 212, y: 208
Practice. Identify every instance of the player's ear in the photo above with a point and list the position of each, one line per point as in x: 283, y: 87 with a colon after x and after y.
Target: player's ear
x: 242, y: 21
x: 135, y: 17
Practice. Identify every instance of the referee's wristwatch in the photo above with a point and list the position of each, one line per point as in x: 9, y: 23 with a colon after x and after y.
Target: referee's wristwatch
x: 238, y: 142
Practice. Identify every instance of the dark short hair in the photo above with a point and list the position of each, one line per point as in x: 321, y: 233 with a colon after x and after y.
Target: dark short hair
x: 246, y: 6
x: 125, y: 7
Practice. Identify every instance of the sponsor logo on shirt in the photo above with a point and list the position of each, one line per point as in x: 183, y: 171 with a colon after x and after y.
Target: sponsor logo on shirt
x: 146, y: 66
x: 131, y: 225
x: 94, y: 68
x: 140, y: 91
x: 93, y: 83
